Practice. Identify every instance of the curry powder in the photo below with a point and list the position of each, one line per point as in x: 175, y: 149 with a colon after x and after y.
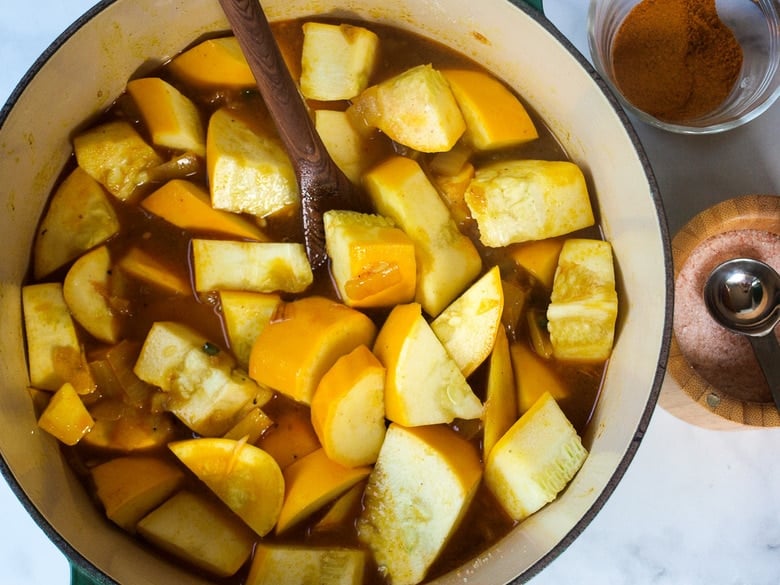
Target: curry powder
x: 675, y: 59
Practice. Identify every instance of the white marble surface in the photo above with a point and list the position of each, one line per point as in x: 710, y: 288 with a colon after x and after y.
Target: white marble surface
x: 696, y: 507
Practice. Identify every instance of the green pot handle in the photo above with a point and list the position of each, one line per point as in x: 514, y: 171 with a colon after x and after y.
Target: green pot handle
x: 537, y: 4
x: 79, y: 577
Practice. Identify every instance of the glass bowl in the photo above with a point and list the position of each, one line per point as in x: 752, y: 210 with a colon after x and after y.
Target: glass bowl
x: 756, y: 26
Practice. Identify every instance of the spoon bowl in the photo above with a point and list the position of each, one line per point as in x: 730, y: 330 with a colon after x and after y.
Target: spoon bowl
x: 743, y: 295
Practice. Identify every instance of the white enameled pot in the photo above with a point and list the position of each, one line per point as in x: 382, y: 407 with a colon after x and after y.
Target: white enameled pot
x: 86, y: 69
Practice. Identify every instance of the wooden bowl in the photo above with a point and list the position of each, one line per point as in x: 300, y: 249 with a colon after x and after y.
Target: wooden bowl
x: 689, y: 395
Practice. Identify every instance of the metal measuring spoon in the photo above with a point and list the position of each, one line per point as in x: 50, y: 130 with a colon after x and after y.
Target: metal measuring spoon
x: 743, y: 295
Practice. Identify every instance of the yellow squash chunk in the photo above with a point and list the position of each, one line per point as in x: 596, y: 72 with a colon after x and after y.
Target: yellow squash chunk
x: 447, y: 261
x: 336, y: 60
x: 468, y: 326
x: 247, y: 479
x: 539, y: 258
x: 303, y: 341
x: 501, y: 400
x: 248, y: 169
x: 342, y: 510
x: 291, y: 437
x: 277, y: 564
x: 206, y: 390
x: 313, y: 482
x: 348, y: 409
x: 534, y: 460
x: 451, y: 162
x: 214, y: 63
x: 200, y: 531
x: 172, y: 119
x: 417, y: 494
x: 583, y: 305
x: 116, y: 156
x: 372, y: 261
x: 188, y: 206
x: 263, y: 267
x: 415, y: 108
x: 495, y: 118
x: 352, y: 151
x: 250, y: 427
x: 131, y: 487
x: 533, y: 377
x: 66, y: 417
x: 424, y: 385
x: 87, y: 289
x: 50, y: 333
x: 245, y: 315
x: 519, y: 200
x: 143, y: 266
x: 80, y: 216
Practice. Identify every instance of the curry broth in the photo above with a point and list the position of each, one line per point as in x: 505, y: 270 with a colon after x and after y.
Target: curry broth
x: 485, y: 522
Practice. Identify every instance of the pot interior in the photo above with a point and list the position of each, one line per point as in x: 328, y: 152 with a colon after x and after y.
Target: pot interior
x: 117, y: 38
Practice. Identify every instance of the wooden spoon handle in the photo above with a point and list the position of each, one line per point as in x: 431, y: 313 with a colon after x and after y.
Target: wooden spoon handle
x: 322, y: 184
x: 276, y: 85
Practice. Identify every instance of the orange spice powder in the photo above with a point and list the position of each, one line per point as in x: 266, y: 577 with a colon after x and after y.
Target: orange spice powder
x: 675, y: 59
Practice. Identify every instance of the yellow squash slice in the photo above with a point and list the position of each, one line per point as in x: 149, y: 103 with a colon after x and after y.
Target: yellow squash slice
x: 519, y: 200
x: 415, y: 108
x: 501, y: 401
x: 447, y: 261
x: 80, y: 216
x: 186, y: 205
x: 469, y: 325
x: 313, y: 482
x: 263, y: 267
x: 115, y: 155
x: 348, y: 409
x: 247, y: 479
x: 372, y: 261
x: 278, y: 564
x: 248, y: 169
x: 583, y: 305
x: 534, y: 460
x: 494, y: 117
x: 417, y: 494
x: 303, y: 340
x: 52, y: 342
x: 66, y: 417
x: 200, y: 531
x: 214, y: 62
x: 171, y: 118
x: 424, y: 384
x: 131, y: 487
x: 337, y: 60
x: 87, y: 292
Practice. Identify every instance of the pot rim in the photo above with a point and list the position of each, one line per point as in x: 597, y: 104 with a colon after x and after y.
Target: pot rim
x: 85, y: 572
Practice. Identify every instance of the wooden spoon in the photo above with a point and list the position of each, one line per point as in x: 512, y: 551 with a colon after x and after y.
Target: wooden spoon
x: 322, y: 184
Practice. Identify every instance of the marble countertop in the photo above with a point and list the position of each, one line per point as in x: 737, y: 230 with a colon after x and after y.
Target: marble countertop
x: 696, y: 506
